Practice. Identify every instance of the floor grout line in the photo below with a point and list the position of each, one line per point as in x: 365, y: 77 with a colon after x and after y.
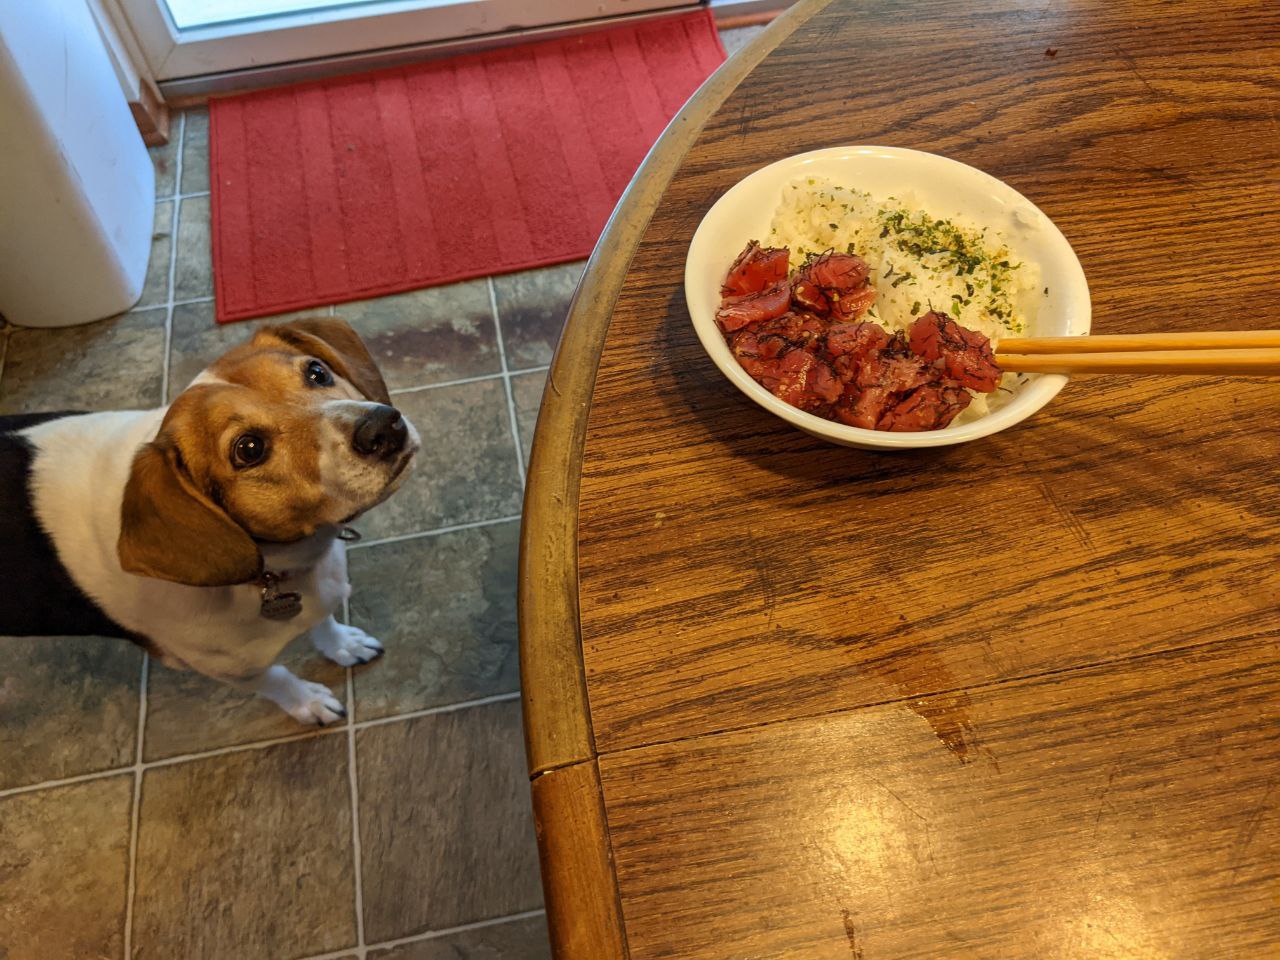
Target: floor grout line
x: 190, y: 300
x: 65, y: 781
x: 304, y: 733
x: 316, y: 732
x: 353, y: 778
x: 330, y: 309
x: 173, y: 270
x: 193, y: 195
x: 461, y: 381
x: 435, y: 934
x: 402, y: 537
x: 135, y: 811
x: 433, y: 711
x: 523, y: 370
x: 506, y: 379
x: 479, y: 378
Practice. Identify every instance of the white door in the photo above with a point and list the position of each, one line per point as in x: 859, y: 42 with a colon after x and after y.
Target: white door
x: 194, y: 38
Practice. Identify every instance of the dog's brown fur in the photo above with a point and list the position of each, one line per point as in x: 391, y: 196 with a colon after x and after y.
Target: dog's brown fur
x: 189, y: 515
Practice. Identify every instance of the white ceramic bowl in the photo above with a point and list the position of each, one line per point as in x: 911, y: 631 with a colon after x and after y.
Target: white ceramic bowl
x: 945, y: 188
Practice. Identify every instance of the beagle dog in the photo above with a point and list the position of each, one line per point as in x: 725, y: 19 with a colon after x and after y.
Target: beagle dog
x: 209, y: 531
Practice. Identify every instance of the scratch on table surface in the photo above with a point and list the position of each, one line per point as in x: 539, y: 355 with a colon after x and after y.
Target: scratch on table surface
x: 1249, y: 830
x: 762, y: 566
x: 1157, y: 172
x: 851, y: 931
x: 1103, y: 802
x: 895, y: 796
x: 1133, y: 66
x: 1073, y: 522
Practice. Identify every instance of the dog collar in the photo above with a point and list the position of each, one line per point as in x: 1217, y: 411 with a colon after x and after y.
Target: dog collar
x: 285, y: 605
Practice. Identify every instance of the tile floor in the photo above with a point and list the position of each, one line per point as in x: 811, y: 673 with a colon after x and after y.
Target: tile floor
x: 146, y: 813
x: 154, y: 815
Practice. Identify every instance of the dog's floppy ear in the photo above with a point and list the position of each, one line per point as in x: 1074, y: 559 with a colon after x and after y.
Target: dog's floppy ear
x: 338, y: 345
x: 170, y: 530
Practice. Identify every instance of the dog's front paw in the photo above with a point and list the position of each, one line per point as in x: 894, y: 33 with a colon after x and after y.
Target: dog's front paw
x: 303, y: 700
x: 347, y: 646
x: 313, y: 703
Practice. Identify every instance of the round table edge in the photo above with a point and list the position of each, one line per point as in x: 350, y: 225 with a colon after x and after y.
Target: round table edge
x: 584, y: 912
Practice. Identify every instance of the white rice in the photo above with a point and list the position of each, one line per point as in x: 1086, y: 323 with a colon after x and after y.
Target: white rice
x: 918, y: 263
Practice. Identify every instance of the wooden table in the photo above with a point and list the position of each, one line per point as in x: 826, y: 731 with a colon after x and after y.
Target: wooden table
x: 1012, y: 699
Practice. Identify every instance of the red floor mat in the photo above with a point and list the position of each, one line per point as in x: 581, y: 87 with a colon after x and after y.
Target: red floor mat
x: 486, y: 163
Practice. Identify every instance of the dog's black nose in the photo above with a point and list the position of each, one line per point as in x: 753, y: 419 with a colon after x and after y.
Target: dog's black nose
x: 380, y: 432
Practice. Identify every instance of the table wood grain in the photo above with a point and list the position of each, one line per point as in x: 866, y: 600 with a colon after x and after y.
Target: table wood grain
x: 1107, y: 812
x: 1017, y: 698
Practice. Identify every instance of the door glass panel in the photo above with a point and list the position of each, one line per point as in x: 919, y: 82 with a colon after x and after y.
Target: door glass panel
x: 188, y: 14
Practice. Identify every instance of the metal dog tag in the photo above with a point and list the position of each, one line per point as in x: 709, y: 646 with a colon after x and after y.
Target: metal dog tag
x: 284, y: 606
x: 277, y: 605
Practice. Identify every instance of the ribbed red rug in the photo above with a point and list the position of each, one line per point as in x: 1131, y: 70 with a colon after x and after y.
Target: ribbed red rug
x: 479, y: 164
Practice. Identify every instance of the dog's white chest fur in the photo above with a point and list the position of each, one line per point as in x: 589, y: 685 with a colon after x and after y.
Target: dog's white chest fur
x: 78, y: 480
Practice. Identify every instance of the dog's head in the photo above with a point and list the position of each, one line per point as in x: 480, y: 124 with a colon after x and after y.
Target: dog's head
x: 286, y: 434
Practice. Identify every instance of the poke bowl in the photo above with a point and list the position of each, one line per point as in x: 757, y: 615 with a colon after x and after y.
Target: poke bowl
x: 889, y: 247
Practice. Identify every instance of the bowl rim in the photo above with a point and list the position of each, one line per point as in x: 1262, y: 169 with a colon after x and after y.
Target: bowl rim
x: 1029, y: 400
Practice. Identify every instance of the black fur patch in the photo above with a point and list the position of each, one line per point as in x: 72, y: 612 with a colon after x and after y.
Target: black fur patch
x: 37, y: 595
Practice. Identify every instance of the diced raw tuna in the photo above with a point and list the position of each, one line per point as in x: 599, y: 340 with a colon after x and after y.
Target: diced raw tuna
x: 802, y: 380
x: 801, y: 339
x: 746, y: 349
x: 768, y: 340
x: 835, y: 282
x: 881, y: 381
x: 839, y: 272
x: 807, y: 296
x: 736, y: 312
x: 755, y: 269
x: 796, y: 329
x: 928, y: 407
x: 855, y: 339
x: 847, y: 307
x: 861, y: 408
x: 895, y: 371
x: 965, y: 355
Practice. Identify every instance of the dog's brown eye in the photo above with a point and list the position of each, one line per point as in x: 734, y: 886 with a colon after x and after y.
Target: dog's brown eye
x: 317, y: 374
x: 248, y: 450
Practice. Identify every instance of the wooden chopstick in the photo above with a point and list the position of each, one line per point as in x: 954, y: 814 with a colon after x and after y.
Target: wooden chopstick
x: 1258, y: 362
x: 1131, y: 342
